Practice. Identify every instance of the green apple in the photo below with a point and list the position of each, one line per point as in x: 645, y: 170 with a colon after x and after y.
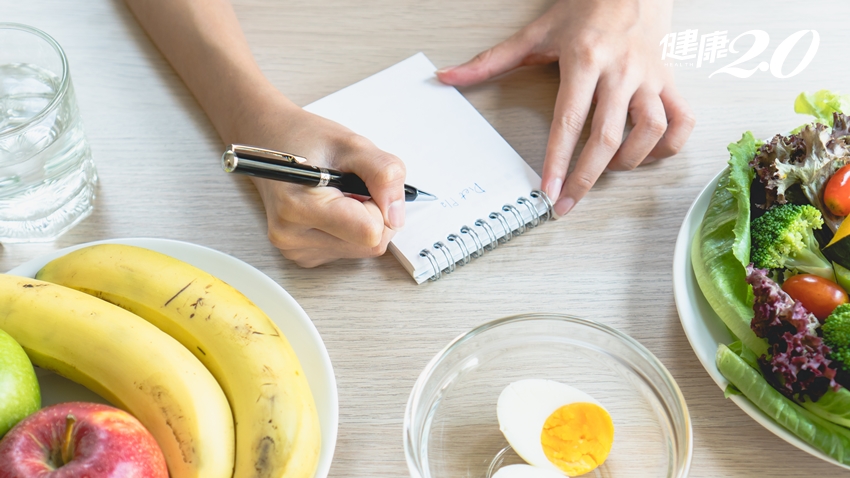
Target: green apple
x: 19, y: 392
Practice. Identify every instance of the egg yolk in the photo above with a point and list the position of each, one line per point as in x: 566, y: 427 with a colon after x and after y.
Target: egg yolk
x: 578, y: 437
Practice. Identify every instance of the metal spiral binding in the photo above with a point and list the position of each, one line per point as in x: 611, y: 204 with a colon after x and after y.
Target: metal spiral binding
x: 450, y: 258
x: 479, y: 247
x: 435, y: 266
x: 518, y: 216
x: 508, y: 235
x: 535, y: 216
x: 494, y: 239
x: 491, y: 234
x: 550, y: 208
x: 456, y: 239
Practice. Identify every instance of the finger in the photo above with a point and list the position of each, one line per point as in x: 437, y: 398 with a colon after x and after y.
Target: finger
x: 312, y: 247
x: 329, y: 210
x: 606, y: 135
x: 493, y: 62
x: 293, y: 237
x: 383, y: 174
x: 680, y: 124
x: 650, y: 123
x: 572, y: 106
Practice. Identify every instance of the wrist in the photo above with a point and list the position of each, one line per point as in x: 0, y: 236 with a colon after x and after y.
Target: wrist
x: 253, y: 111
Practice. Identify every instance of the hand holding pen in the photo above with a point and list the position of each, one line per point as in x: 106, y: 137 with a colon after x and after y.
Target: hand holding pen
x: 316, y: 225
x: 310, y: 226
x: 293, y: 169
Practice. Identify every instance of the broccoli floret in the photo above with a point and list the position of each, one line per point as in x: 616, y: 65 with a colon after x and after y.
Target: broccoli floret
x: 836, y: 333
x: 782, y: 238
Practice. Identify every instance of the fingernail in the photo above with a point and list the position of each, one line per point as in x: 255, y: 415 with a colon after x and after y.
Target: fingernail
x: 649, y: 159
x: 553, y: 189
x: 444, y: 69
x: 563, y: 206
x: 396, y: 215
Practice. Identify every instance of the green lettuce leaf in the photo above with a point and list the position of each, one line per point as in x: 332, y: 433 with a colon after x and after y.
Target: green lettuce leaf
x: 740, y: 179
x: 833, y: 406
x: 832, y: 439
x: 746, y: 354
x: 821, y: 105
x: 721, y: 248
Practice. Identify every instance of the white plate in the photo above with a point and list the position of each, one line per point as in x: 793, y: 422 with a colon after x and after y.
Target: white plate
x: 264, y: 292
x: 705, y: 330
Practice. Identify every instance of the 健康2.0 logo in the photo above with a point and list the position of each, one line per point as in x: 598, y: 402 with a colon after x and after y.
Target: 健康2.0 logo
x: 688, y: 48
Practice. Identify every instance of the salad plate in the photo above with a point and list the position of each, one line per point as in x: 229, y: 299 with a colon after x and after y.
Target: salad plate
x: 264, y: 292
x: 704, y: 329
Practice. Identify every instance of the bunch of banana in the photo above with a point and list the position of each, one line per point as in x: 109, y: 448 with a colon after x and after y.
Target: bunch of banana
x: 128, y: 362
x: 277, y: 426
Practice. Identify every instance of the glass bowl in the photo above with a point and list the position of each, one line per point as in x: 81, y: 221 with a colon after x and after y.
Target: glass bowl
x: 450, y: 425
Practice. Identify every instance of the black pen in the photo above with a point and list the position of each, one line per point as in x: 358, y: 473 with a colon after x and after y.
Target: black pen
x: 280, y: 166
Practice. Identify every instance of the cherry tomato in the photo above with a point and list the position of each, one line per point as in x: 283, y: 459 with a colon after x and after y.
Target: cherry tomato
x: 818, y: 295
x: 836, y: 196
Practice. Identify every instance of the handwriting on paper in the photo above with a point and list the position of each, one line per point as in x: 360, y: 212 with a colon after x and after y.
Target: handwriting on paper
x: 462, y: 196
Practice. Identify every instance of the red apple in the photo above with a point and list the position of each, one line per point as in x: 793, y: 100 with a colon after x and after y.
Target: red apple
x: 77, y: 439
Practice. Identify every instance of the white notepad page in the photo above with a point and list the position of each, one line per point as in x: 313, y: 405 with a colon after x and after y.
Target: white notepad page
x: 449, y: 150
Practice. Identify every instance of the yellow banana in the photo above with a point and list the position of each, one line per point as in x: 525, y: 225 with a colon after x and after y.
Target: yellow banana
x: 277, y: 426
x: 129, y: 362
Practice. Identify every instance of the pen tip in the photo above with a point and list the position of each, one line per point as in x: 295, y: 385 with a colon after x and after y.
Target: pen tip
x: 423, y: 196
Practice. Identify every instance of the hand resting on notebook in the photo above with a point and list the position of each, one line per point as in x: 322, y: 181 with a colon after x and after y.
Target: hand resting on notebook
x: 608, y: 54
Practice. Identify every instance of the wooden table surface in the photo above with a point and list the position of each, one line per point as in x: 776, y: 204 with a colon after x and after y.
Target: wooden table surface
x: 609, y: 260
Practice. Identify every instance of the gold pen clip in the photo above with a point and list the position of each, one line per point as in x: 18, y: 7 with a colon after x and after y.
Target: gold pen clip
x: 244, y: 151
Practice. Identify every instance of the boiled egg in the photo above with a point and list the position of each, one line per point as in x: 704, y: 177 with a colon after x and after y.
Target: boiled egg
x: 554, y: 426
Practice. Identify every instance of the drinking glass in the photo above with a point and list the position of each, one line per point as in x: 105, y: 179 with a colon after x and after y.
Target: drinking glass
x: 47, y: 177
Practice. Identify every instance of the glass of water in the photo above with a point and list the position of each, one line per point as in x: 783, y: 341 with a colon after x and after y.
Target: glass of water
x: 47, y: 177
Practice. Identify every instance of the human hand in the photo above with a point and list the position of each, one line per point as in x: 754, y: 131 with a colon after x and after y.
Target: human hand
x: 608, y: 54
x: 313, y: 226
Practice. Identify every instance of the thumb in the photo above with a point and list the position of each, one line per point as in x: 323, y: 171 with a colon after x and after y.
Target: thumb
x: 493, y: 62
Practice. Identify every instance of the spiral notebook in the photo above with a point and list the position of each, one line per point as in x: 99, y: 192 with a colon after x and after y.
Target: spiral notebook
x: 487, y: 193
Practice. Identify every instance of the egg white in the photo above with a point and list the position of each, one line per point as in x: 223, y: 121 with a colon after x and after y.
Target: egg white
x: 522, y: 410
x: 525, y: 471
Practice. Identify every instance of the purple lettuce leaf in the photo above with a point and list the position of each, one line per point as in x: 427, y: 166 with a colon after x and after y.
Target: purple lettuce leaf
x: 796, y: 363
x: 808, y: 158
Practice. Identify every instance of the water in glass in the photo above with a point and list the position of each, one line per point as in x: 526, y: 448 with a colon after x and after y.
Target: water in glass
x: 47, y: 176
